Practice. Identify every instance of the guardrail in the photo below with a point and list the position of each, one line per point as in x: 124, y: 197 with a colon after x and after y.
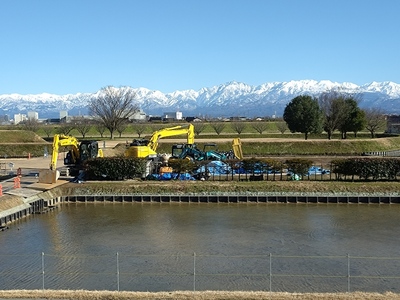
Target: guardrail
x: 394, y: 153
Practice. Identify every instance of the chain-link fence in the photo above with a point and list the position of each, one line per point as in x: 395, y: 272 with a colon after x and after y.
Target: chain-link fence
x: 131, y: 272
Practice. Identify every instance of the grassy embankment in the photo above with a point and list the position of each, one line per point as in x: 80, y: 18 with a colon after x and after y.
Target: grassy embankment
x: 19, y: 143
x: 130, y: 187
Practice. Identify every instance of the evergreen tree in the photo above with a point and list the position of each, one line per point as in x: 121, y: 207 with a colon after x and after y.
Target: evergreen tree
x: 303, y: 115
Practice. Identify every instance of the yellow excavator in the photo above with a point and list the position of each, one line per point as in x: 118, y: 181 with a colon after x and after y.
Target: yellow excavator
x: 78, y: 153
x: 147, y: 148
x: 143, y: 148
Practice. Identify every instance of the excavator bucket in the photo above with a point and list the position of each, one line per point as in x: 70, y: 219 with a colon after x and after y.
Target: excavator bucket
x: 48, y: 176
x: 237, y: 148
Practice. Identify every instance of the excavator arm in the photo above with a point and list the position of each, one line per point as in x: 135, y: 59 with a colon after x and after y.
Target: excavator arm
x: 237, y: 148
x: 173, y: 131
x: 78, y: 153
x: 149, y: 150
x: 61, y: 140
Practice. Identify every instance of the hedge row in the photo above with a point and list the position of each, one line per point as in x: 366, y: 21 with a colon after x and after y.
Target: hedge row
x: 367, y: 168
x: 120, y: 168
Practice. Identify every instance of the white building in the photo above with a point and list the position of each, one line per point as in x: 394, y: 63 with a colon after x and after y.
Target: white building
x: 140, y: 115
x: 173, y: 115
x: 63, y: 114
x: 33, y: 115
x: 18, y: 118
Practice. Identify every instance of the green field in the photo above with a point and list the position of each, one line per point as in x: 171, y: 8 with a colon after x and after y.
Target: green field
x: 21, y: 142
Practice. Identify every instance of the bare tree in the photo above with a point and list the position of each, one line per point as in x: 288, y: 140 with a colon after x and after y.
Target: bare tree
x: 121, y: 127
x: 82, y: 125
x: 375, y: 119
x: 113, y: 106
x: 48, y: 130
x: 260, y: 127
x: 218, y: 127
x: 332, y: 105
x: 238, y: 127
x: 282, y: 127
x: 100, y: 127
x: 65, y: 128
x: 139, y: 129
x: 199, y: 128
x: 31, y: 124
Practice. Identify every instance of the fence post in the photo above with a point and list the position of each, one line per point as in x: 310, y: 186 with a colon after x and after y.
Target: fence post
x: 270, y: 272
x: 43, y: 271
x: 117, y: 272
x: 194, y: 271
x: 348, y: 273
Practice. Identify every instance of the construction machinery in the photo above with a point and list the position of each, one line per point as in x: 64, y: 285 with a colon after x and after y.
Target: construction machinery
x: 78, y: 153
x: 190, y: 151
x: 146, y: 148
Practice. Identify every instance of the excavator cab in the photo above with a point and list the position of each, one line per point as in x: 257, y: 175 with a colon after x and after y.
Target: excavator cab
x: 87, y: 150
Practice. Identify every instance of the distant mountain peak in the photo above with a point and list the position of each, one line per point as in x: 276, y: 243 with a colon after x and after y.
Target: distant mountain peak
x: 232, y: 98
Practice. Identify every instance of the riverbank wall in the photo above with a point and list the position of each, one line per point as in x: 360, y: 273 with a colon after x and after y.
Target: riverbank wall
x: 14, y: 207
x: 238, y: 198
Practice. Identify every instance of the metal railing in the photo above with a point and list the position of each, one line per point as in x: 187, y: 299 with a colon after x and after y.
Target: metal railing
x: 200, y: 272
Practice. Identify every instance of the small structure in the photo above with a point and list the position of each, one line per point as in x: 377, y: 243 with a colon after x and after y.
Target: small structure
x: 63, y: 114
x: 139, y: 116
x: 33, y: 115
x: 393, y: 124
x: 175, y: 116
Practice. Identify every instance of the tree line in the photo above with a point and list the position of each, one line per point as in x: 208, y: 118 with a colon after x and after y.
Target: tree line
x: 332, y: 110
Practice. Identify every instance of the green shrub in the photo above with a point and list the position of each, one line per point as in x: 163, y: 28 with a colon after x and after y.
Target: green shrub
x: 367, y: 168
x: 114, y: 168
x: 298, y: 166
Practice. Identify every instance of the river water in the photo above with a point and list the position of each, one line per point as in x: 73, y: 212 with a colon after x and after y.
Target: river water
x: 186, y: 246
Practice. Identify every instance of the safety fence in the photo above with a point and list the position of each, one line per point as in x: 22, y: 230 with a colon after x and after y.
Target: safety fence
x: 199, y: 272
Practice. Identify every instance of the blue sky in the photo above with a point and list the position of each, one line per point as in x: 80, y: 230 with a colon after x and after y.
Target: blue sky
x: 67, y: 47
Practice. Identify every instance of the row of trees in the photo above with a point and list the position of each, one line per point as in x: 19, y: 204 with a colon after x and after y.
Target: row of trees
x: 112, y: 107
x: 331, y: 111
x: 84, y: 126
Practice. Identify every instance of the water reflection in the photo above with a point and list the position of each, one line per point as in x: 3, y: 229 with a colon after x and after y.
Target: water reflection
x: 76, y: 236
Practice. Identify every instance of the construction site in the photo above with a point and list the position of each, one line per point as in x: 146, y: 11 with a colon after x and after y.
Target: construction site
x: 41, y: 184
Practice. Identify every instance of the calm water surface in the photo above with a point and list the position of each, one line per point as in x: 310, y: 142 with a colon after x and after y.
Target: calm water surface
x: 155, y: 246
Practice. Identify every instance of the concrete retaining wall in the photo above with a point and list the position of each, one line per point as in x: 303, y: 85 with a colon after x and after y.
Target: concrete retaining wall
x: 235, y: 199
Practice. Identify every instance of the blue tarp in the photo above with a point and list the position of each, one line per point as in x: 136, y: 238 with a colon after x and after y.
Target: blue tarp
x: 171, y: 176
x: 215, y: 167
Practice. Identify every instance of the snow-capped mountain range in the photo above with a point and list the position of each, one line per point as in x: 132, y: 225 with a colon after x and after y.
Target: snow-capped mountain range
x: 225, y: 100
